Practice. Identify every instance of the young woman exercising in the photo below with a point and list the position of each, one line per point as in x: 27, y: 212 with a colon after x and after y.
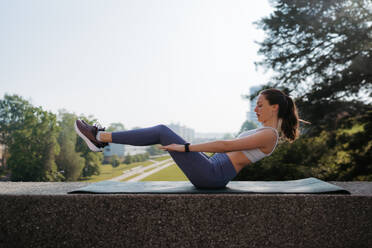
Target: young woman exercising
x: 276, y: 111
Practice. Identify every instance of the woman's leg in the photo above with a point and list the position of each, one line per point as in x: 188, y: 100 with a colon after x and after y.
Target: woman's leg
x: 197, y: 167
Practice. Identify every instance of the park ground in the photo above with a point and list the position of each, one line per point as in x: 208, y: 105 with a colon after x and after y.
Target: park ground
x: 159, y: 169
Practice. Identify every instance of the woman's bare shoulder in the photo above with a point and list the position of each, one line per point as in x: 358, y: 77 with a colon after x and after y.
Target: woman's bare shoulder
x: 269, y: 132
x: 259, y: 139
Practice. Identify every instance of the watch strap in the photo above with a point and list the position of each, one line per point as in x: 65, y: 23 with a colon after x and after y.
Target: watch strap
x: 187, y: 147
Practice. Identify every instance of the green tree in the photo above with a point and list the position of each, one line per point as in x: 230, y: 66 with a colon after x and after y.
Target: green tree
x: 321, y: 52
x: 154, y: 150
x: 343, y: 154
x: 116, y: 126
x: 12, y: 118
x: 128, y: 159
x: 349, y: 152
x: 146, y: 156
x: 115, y: 161
x: 33, y: 143
x: 69, y: 161
x: 135, y: 158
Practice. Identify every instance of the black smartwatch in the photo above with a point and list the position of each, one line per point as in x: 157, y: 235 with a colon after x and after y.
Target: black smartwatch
x: 187, y: 147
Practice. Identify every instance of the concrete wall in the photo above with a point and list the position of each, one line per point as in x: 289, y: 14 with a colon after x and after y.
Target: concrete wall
x: 42, y: 218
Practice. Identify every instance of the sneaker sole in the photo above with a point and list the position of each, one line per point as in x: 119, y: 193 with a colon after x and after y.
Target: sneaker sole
x: 87, y: 141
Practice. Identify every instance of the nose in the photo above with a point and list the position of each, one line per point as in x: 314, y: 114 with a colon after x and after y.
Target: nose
x: 255, y: 109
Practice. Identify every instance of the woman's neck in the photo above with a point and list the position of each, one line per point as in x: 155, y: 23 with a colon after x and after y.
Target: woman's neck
x: 271, y: 123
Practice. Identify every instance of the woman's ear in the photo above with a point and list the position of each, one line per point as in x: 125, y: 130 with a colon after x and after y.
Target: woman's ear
x: 275, y: 107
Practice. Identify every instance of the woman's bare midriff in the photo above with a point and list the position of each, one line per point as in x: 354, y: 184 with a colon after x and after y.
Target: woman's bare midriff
x: 239, y: 160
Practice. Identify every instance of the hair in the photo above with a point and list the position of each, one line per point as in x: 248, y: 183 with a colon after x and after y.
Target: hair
x: 287, y: 114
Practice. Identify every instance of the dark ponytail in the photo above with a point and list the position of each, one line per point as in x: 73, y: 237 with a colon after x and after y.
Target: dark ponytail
x: 288, y: 115
x: 290, y: 121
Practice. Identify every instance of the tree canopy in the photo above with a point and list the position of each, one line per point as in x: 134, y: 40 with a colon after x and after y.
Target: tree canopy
x: 30, y: 137
x: 40, y: 148
x: 321, y: 52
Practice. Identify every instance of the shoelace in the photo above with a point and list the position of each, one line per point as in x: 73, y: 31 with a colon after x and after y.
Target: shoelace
x: 99, y: 126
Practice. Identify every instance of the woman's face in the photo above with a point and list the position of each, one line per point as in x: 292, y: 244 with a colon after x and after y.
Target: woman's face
x: 264, y: 110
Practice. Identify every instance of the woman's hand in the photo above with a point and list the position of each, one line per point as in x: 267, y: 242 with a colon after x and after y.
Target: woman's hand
x: 173, y: 147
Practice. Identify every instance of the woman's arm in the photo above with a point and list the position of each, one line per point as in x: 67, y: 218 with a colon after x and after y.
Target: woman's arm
x: 261, y: 139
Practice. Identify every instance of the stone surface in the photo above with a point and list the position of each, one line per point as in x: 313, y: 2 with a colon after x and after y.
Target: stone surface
x: 58, y: 188
x: 44, y: 215
x: 39, y: 188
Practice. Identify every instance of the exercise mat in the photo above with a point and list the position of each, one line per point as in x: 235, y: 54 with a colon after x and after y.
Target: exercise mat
x: 309, y: 185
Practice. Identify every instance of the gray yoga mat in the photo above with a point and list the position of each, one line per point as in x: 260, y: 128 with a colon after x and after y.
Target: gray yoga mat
x: 309, y: 185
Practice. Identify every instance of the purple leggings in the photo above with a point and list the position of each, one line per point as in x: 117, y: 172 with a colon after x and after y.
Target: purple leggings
x: 202, y: 171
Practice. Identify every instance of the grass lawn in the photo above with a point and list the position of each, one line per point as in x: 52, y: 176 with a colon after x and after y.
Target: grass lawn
x: 166, y: 156
x: 108, y: 172
x: 171, y: 173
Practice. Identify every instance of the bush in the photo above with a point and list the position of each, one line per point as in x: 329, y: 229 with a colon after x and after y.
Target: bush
x: 115, y: 161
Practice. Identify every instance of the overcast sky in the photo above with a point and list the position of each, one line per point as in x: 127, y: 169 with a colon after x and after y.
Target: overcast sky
x: 138, y: 62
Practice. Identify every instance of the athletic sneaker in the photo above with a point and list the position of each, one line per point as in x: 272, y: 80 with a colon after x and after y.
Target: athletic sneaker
x: 88, y: 133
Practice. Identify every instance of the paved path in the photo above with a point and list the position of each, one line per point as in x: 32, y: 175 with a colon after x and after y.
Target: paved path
x: 141, y: 170
x: 146, y: 174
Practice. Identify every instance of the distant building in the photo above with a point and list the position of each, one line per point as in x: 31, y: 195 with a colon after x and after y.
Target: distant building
x: 114, y: 149
x: 210, y: 135
x: 123, y: 150
x: 191, y: 136
x: 133, y: 150
x: 207, y: 137
x: 186, y: 133
x: 251, y: 115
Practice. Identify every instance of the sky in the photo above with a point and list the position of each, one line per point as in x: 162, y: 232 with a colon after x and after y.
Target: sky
x: 138, y: 62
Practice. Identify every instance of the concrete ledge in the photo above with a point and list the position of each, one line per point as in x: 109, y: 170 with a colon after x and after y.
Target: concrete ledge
x: 44, y: 215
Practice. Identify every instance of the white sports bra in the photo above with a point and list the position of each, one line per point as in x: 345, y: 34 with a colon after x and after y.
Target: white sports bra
x: 256, y: 154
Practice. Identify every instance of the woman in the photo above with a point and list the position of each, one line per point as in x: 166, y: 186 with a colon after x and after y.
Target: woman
x: 276, y: 111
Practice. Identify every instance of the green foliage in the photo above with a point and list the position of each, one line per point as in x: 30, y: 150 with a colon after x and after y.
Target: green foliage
x: 12, y: 115
x: 136, y: 158
x: 154, y: 150
x: 12, y: 110
x: 115, y: 161
x: 30, y: 135
x: 350, y: 152
x: 128, y: 159
x: 117, y: 126
x: 69, y: 162
x: 321, y: 52
x: 93, y: 160
x: 343, y: 154
x: 327, y: 40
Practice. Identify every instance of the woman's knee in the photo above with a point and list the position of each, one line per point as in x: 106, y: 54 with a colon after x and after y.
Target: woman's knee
x: 162, y: 128
x: 166, y: 135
